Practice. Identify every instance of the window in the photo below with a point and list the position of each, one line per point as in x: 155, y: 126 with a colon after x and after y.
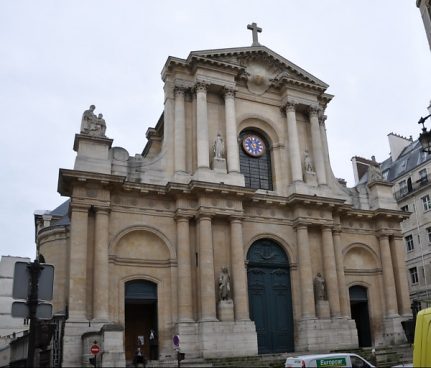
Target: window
x: 403, y: 187
x: 409, y: 243
x: 423, y: 177
x: 405, y: 208
x: 255, y: 160
x: 414, y: 275
x: 428, y: 229
x: 426, y: 202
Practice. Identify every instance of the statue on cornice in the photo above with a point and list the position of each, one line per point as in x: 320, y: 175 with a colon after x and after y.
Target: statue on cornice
x: 92, y: 124
x: 374, y: 172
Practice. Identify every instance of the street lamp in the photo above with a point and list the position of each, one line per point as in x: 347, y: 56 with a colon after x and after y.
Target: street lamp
x: 425, y: 136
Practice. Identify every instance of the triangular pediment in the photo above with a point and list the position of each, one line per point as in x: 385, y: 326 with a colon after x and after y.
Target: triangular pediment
x: 257, y: 56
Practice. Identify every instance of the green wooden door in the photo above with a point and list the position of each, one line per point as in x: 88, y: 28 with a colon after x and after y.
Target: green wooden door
x: 270, y: 297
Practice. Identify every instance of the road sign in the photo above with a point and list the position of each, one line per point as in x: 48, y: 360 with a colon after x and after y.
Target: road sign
x: 95, y: 349
x: 21, y: 310
x: 21, y: 281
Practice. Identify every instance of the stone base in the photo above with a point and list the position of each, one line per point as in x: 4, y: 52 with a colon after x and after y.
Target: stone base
x: 393, y: 331
x: 219, y: 165
x: 322, y: 309
x: 79, y: 337
x: 212, y: 176
x: 310, y: 178
x: 225, y: 310
x: 227, y: 339
x: 326, y: 334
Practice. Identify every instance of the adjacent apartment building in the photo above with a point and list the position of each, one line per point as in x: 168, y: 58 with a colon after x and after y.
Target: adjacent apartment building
x: 409, y: 170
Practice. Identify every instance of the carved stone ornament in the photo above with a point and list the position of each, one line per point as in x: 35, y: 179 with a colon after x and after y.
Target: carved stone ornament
x: 258, y: 78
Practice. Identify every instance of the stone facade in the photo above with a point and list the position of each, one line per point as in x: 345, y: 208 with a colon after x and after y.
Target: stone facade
x: 169, y: 219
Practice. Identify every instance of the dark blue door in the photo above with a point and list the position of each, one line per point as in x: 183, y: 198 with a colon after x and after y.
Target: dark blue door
x: 270, y: 296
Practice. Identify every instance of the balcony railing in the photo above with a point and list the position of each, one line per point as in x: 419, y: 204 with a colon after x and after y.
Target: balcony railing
x: 410, y: 189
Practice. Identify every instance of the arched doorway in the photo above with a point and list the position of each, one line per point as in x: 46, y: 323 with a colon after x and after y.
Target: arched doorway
x: 270, y: 296
x: 140, y: 318
x: 359, y: 310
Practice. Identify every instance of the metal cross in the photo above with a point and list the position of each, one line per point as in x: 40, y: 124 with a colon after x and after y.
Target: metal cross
x: 255, y: 29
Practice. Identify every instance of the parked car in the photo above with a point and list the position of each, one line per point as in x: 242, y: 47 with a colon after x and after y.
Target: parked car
x: 328, y: 360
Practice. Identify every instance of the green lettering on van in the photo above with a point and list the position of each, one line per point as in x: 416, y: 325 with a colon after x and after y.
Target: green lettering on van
x: 331, y: 362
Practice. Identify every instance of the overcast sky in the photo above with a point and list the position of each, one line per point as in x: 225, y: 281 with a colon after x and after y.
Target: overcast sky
x: 58, y: 57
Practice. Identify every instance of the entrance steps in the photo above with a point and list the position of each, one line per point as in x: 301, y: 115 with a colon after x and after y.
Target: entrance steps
x: 385, y: 357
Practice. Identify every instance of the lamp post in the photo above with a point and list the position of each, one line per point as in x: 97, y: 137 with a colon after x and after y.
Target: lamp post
x: 425, y: 136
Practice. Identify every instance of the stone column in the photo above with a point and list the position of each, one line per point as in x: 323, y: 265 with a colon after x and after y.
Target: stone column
x: 292, y: 136
x: 239, y: 274
x: 339, y: 263
x: 305, y: 273
x: 78, y: 262
x: 185, y: 304
x: 330, y: 271
x: 206, y: 270
x: 180, y: 130
x: 399, y: 259
x: 101, y: 265
x: 316, y: 142
x: 231, y: 133
x: 388, y: 277
x: 202, y: 125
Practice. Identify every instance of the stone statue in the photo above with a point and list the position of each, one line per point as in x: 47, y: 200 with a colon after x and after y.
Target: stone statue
x: 224, y: 284
x: 88, y: 118
x: 319, y: 285
x: 100, y: 125
x: 218, y: 147
x: 374, y: 173
x: 307, y: 162
x: 92, y: 124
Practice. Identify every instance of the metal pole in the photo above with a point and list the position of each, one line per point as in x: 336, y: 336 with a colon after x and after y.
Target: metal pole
x: 32, y: 302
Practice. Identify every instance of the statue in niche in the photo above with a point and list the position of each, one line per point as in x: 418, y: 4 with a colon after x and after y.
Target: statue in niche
x: 319, y: 285
x: 224, y: 284
x: 307, y: 163
x: 92, y: 124
x: 218, y: 147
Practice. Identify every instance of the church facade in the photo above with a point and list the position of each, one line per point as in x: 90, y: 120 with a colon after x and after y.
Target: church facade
x: 229, y: 230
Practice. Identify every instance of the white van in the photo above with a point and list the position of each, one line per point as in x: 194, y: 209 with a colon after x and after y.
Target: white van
x: 328, y: 360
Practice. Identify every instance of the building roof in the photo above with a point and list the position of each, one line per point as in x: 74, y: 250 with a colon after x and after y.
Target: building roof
x: 410, y: 157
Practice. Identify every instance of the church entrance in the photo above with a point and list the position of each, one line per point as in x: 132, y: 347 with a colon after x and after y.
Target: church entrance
x: 270, y: 296
x: 359, y: 310
x: 141, y: 319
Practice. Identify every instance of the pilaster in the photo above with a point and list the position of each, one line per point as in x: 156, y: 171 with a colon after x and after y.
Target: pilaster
x: 239, y: 273
x: 231, y: 131
x: 101, y: 264
x: 202, y: 125
x: 316, y: 142
x: 180, y: 130
x: 293, y: 142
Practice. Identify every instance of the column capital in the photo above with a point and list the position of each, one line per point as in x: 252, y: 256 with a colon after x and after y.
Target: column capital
x: 313, y: 111
x: 182, y: 215
x: 300, y: 225
x: 229, y: 92
x: 179, y: 91
x: 102, y: 209
x: 327, y: 228
x: 200, y: 87
x: 289, y: 106
x: 79, y: 207
x: 322, y: 119
x: 204, y: 215
x: 236, y: 218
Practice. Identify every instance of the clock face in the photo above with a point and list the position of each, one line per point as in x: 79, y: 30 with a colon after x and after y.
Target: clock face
x: 253, y: 145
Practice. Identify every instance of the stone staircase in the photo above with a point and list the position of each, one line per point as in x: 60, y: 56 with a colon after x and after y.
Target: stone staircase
x: 385, y: 357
